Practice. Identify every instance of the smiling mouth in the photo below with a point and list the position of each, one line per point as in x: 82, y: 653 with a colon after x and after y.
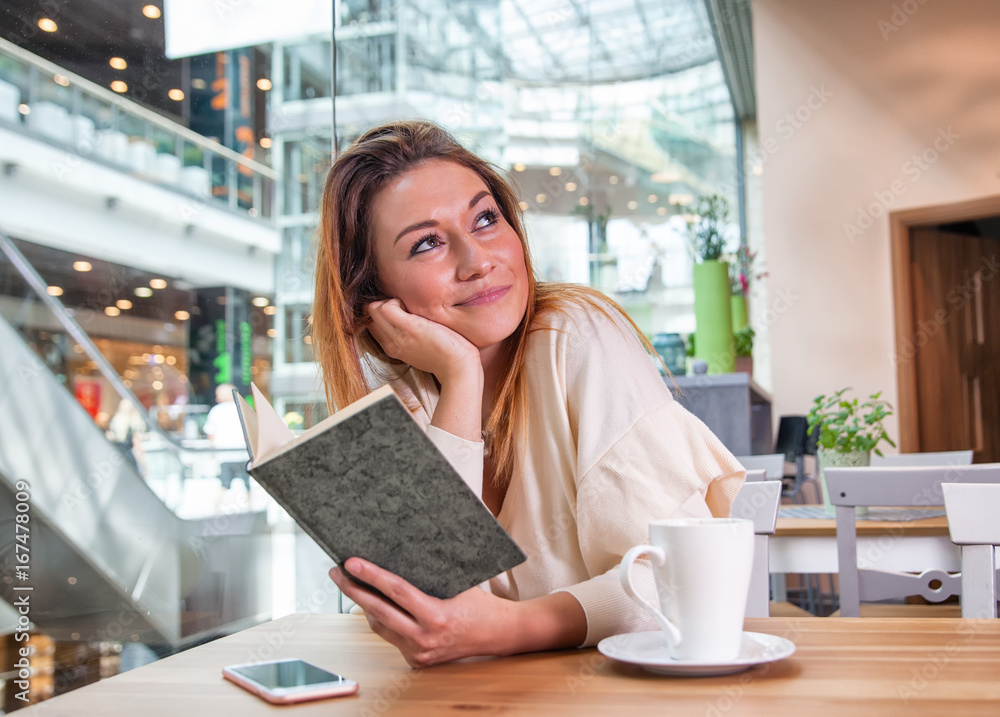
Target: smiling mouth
x: 486, y: 297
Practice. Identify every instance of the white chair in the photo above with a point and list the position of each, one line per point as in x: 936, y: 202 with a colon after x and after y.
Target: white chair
x: 974, y: 523
x: 929, y: 458
x: 196, y: 180
x: 755, y: 476
x: 51, y: 120
x: 773, y: 464
x: 113, y: 146
x: 167, y: 168
x: 141, y: 156
x: 758, y: 501
x: 892, y: 486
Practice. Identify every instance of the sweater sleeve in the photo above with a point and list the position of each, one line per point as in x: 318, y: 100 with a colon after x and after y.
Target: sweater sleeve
x: 640, y: 456
x: 668, y: 465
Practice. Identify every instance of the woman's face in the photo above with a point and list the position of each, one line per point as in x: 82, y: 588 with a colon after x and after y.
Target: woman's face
x: 443, y: 249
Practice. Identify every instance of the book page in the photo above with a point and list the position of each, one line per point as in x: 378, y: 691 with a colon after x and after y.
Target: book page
x: 249, y: 421
x: 272, y: 433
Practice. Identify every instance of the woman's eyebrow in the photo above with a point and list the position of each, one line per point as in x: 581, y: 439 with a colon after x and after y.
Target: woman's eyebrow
x: 431, y: 223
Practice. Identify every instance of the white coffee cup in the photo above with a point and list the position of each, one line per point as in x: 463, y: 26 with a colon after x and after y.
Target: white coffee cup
x: 702, y: 571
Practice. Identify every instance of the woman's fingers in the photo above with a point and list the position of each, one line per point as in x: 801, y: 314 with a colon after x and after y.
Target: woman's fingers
x: 396, y: 589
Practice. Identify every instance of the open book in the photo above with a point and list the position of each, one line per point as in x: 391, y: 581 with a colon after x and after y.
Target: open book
x: 367, y: 482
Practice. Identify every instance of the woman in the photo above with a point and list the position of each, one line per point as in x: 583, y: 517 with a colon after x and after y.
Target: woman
x: 542, y: 396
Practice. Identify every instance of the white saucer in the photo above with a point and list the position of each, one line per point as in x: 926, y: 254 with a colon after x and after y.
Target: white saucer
x: 649, y: 650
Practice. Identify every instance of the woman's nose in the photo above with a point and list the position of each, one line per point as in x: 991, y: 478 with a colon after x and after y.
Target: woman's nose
x: 475, y: 260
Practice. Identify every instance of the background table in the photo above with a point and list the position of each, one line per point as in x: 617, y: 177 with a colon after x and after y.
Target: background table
x: 809, y: 545
x: 913, y: 667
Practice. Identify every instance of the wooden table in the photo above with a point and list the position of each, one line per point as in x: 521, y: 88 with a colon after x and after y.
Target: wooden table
x: 809, y: 545
x: 911, y: 667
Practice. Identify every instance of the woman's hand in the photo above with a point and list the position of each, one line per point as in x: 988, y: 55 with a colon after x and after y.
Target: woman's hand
x: 420, y: 342
x: 433, y: 347
x: 429, y: 631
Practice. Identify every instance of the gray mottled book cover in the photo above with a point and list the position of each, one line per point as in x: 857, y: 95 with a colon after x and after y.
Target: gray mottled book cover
x: 374, y: 486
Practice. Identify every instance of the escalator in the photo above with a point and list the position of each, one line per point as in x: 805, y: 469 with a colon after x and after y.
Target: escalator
x: 104, y: 558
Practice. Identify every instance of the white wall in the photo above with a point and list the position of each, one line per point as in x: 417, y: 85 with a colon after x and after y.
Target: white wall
x: 873, y: 85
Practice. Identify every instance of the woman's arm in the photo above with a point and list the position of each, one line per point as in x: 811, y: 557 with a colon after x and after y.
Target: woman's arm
x: 436, y: 349
x: 429, y: 631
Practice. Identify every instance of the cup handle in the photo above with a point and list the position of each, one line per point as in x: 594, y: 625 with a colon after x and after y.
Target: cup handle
x: 659, y: 557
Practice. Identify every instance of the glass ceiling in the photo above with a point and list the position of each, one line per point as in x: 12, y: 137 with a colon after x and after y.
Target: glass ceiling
x: 595, y: 41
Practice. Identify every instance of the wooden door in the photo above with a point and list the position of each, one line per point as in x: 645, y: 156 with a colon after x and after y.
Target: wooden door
x: 955, y: 341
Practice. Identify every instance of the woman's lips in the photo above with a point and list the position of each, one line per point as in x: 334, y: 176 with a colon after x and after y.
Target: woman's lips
x: 487, y: 297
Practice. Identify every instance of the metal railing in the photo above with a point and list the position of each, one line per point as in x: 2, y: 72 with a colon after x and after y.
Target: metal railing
x: 43, y: 100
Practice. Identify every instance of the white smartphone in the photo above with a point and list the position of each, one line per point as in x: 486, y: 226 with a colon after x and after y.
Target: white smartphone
x: 286, y: 681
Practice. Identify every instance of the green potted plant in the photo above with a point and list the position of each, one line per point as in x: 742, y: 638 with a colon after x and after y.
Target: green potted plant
x: 712, y: 307
x: 849, y: 431
x: 742, y: 275
x: 744, y: 349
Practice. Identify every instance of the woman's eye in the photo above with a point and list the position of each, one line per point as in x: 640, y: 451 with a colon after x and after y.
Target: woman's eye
x: 487, y: 218
x: 424, y: 243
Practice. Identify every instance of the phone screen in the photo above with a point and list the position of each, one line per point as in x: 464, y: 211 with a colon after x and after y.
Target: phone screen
x: 288, y: 673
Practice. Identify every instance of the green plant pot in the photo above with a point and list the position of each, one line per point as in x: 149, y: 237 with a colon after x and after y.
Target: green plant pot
x: 713, y: 316
x: 836, y: 459
x: 738, y: 309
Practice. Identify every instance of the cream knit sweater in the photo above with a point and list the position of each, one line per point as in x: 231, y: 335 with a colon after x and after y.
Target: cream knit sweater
x: 608, y: 450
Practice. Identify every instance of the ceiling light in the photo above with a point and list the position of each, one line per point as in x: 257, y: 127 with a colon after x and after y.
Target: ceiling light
x: 266, y: 142
x: 612, y: 179
x: 523, y: 206
x: 112, y: 310
x: 570, y: 186
x: 47, y: 25
x: 119, y: 86
x: 540, y: 198
x: 24, y: 109
x: 118, y: 63
x: 264, y: 84
x: 667, y: 176
x: 584, y: 201
x: 182, y: 315
x: 758, y: 169
x: 679, y: 199
x: 144, y: 292
x: 61, y: 80
x: 519, y: 167
x: 198, y: 83
x: 54, y: 290
x: 176, y: 95
x: 158, y: 283
x: 652, y: 198
x: 633, y: 204
x: 555, y: 171
x: 82, y: 265
x: 151, y: 11
x: 260, y: 301
x: 171, y: 360
x: 123, y: 304
x: 270, y: 310
x: 661, y: 211
x: 272, y: 333
x: 157, y: 385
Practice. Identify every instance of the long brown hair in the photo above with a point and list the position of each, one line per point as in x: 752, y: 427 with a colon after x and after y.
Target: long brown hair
x: 347, y: 279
